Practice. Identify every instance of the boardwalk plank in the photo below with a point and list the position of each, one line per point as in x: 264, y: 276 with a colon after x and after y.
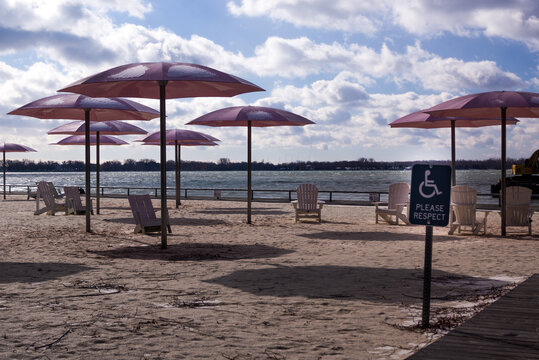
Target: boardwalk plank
x: 507, y: 329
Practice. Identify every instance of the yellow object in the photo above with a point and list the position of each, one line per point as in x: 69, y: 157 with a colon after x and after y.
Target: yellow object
x: 531, y: 166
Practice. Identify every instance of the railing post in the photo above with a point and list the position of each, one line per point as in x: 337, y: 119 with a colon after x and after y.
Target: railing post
x: 185, y: 193
x: 289, y: 195
x: 155, y: 192
x: 127, y: 191
x: 330, y: 196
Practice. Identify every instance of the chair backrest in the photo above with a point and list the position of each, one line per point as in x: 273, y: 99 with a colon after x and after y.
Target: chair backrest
x: 464, y: 201
x: 307, y: 196
x: 518, y: 205
x: 73, y: 193
x: 54, y: 190
x: 45, y: 192
x: 398, y: 194
x: 142, y: 205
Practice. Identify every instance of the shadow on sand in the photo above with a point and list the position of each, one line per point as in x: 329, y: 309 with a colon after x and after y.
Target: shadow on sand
x: 174, y: 221
x: 194, y: 252
x: 350, y: 283
x: 372, y: 236
x: 37, y: 272
x: 242, y: 211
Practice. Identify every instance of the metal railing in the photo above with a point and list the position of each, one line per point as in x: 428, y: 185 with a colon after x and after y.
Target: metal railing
x: 239, y: 194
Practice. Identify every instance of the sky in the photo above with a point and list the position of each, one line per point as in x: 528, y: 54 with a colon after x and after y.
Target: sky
x: 351, y: 66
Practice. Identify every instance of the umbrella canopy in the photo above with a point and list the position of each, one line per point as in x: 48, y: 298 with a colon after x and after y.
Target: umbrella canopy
x: 162, y: 80
x: 81, y: 140
x: 257, y: 116
x: 420, y: 119
x: 491, y: 105
x: 11, y: 147
x: 183, y: 80
x: 72, y: 106
x: 81, y: 107
x: 179, y: 137
x: 250, y: 116
x: 202, y: 143
x: 113, y: 127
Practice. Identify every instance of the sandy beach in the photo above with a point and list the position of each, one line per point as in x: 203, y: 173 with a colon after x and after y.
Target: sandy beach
x: 343, y: 289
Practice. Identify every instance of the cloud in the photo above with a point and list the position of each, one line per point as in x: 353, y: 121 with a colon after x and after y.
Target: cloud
x: 62, y: 15
x: 509, y: 19
x: 302, y: 57
x: 57, y: 44
x: 437, y: 73
x: 342, y: 15
x: 91, y: 40
x: 21, y: 86
x: 344, y: 89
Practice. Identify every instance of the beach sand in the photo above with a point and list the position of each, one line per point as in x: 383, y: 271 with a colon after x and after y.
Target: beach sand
x: 343, y: 289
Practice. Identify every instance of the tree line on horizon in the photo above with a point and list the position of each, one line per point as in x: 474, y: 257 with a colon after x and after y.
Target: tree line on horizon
x: 225, y: 164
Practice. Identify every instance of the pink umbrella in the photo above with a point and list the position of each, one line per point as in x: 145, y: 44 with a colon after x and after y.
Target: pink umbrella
x: 80, y: 107
x: 10, y: 147
x: 250, y: 116
x: 492, y: 104
x: 179, y: 137
x: 162, y: 80
x: 113, y: 127
x: 419, y: 119
x: 81, y: 140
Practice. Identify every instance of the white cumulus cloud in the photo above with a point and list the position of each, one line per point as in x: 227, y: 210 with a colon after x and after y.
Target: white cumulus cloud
x: 510, y: 19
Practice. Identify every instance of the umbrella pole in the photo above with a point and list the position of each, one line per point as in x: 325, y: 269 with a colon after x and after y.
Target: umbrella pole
x: 453, y: 155
x: 97, y: 171
x: 177, y: 153
x: 87, y: 161
x: 502, y: 188
x: 163, y: 159
x: 249, y: 171
x: 4, y: 170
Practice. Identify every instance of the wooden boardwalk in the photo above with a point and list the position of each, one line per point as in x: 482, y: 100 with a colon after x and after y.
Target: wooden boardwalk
x: 507, y: 329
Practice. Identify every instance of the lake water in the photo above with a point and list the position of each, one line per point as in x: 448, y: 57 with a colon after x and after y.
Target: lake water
x: 364, y: 181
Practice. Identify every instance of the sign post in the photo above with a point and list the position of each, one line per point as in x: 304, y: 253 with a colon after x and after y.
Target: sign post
x: 429, y: 205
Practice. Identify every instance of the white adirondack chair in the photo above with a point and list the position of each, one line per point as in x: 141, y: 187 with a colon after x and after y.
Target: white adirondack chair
x: 307, y: 206
x: 397, y: 200
x: 518, y: 212
x: 464, y: 211
x: 57, y: 195
x: 73, y: 201
x: 45, y: 192
x: 144, y: 214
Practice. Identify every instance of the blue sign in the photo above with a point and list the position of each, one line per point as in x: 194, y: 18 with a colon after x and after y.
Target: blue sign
x: 430, y: 195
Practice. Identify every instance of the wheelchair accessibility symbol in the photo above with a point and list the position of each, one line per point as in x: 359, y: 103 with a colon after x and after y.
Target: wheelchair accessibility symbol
x: 430, y: 192
x: 432, y: 188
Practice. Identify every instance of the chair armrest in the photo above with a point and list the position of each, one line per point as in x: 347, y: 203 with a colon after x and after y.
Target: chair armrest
x: 294, y: 203
x: 379, y: 203
x: 321, y: 203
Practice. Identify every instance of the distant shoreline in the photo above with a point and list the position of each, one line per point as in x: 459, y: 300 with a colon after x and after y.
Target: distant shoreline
x: 227, y: 165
